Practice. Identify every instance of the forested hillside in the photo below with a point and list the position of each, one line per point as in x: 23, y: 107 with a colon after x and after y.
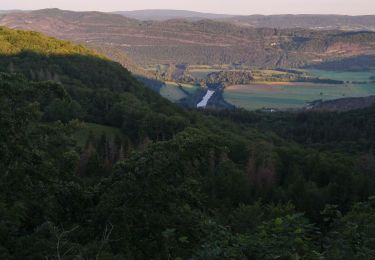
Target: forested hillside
x: 197, y: 42
x: 321, y: 22
x: 162, y: 15
x: 308, y: 21
x: 103, y: 89
x: 171, y: 184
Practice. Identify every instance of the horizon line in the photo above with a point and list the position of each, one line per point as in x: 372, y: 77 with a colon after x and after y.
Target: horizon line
x: 186, y: 10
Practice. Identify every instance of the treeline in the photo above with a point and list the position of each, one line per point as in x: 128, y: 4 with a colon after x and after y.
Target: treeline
x: 230, y: 77
x: 322, y: 81
x: 353, y: 130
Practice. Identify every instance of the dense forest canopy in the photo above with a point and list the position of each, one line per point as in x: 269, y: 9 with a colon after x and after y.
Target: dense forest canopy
x: 14, y: 42
x: 170, y: 184
x: 103, y: 89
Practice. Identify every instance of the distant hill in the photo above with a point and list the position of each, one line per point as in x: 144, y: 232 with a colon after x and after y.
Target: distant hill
x: 281, y: 21
x: 65, y: 24
x: 163, y: 15
x: 10, y: 11
x: 341, y: 22
x: 310, y: 21
x: 196, y: 42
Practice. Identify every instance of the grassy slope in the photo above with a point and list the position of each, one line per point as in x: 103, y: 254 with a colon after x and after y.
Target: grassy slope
x: 172, y: 92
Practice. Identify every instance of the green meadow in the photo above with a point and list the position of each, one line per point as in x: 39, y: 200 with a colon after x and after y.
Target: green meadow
x: 190, y: 88
x: 296, y: 95
x: 172, y: 91
x: 201, y: 73
x: 343, y: 75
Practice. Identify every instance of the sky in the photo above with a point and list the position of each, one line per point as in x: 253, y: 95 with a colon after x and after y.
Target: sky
x: 244, y: 7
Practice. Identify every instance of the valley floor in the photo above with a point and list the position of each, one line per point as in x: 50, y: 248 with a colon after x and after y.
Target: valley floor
x: 282, y: 95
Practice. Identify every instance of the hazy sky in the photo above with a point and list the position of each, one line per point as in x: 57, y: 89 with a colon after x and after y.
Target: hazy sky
x: 352, y: 7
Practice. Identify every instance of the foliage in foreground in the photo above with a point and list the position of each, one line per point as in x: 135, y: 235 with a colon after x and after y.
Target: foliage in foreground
x: 203, y: 194
x: 171, y: 184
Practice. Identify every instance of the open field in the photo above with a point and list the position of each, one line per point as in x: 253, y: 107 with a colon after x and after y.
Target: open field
x: 190, y: 88
x: 284, y: 95
x: 202, y: 72
x: 343, y: 75
x: 171, y: 91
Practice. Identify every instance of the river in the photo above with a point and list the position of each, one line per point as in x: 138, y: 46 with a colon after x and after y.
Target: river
x: 205, y: 99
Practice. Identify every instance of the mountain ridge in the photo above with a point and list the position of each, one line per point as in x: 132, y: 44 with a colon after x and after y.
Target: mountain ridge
x: 166, y: 14
x: 312, y: 21
x: 196, y: 42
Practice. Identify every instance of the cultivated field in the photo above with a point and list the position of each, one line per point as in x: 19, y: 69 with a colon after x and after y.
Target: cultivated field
x: 190, y: 88
x: 343, y: 75
x: 201, y: 73
x: 284, y: 95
